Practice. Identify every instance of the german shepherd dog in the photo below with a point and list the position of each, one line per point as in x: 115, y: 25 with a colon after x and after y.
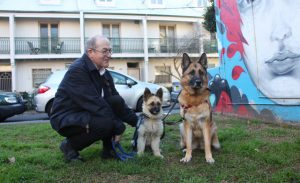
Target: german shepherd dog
x: 197, y: 129
x: 151, y: 127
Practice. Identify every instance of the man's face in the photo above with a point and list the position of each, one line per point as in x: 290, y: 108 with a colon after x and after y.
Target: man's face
x: 101, y: 55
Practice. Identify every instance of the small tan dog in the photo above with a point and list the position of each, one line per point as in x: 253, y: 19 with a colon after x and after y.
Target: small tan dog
x: 151, y: 126
x: 198, y: 129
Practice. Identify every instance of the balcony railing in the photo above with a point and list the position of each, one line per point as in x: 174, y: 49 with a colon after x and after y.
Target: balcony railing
x: 4, y: 45
x: 173, y: 45
x: 127, y: 45
x: 210, y: 46
x: 61, y: 45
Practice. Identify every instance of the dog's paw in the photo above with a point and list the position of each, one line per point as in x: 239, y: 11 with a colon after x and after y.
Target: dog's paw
x: 140, y: 153
x: 216, y: 146
x: 160, y: 156
x: 210, y: 160
x: 186, y: 159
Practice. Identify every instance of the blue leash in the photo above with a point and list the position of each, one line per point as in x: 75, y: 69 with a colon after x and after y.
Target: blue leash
x: 120, y: 152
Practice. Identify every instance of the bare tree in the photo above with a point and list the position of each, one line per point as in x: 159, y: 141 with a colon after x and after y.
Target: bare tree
x: 185, y: 45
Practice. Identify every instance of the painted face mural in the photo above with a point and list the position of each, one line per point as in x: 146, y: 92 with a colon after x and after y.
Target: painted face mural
x: 259, y: 72
x: 272, y: 49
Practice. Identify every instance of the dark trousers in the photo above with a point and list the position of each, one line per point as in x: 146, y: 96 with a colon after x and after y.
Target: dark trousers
x: 79, y: 138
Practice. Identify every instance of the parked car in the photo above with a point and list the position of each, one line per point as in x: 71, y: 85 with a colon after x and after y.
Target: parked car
x: 11, y: 103
x: 176, y: 88
x: 129, y: 88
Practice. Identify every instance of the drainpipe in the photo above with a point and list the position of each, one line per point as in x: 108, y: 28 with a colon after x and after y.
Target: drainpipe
x: 200, y: 27
x: 82, y: 41
x: 12, y: 51
x: 146, y: 56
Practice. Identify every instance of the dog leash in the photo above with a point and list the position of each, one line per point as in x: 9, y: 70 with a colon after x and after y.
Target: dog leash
x: 135, y: 134
x: 121, y: 154
x: 168, y: 113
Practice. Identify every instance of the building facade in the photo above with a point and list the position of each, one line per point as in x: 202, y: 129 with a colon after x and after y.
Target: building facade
x: 38, y: 37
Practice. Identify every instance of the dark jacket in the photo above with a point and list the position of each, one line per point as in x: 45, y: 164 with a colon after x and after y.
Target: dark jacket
x: 79, y: 100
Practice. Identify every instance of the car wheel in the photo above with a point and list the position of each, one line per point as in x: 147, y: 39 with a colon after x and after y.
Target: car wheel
x: 139, y: 105
x: 48, y: 108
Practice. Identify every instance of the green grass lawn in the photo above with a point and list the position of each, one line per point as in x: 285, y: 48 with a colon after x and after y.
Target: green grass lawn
x: 252, y: 151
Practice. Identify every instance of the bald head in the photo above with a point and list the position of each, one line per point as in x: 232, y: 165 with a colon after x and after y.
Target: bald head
x: 93, y: 41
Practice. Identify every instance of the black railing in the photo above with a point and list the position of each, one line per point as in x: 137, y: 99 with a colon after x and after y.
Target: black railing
x: 4, y: 45
x: 29, y: 45
x: 173, y: 45
x: 63, y: 45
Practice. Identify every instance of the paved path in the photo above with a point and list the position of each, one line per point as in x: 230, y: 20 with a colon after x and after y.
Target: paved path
x: 34, y: 117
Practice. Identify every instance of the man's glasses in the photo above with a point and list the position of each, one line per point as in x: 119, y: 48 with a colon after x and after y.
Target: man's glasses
x: 104, y: 51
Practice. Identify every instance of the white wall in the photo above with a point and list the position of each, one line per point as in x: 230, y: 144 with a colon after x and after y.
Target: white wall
x: 129, y: 29
x: 92, y: 27
x: 69, y: 28
x: 4, y: 28
x: 184, y: 29
x: 27, y: 28
x: 153, y: 29
x: 24, y: 71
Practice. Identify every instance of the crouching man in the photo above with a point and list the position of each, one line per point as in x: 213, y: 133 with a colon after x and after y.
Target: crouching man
x: 87, y: 106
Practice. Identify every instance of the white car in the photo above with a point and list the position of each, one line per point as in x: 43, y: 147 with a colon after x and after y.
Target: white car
x: 130, y: 89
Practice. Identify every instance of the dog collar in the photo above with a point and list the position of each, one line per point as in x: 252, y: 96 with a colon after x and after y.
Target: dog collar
x: 185, y: 107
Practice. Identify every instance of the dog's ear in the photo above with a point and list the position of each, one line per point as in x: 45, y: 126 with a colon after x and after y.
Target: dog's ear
x: 159, y: 93
x: 186, y: 61
x: 147, y: 94
x: 203, y: 60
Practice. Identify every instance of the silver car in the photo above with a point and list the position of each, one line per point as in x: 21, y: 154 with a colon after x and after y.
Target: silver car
x: 130, y: 89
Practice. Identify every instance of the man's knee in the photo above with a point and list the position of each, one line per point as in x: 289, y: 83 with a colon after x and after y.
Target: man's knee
x: 107, y: 126
x: 71, y: 131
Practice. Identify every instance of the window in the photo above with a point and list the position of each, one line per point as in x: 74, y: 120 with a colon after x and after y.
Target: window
x: 39, y: 76
x: 49, y: 37
x: 167, y: 39
x: 202, y: 3
x: 161, y: 76
x: 50, y: 2
x: 156, y: 1
x: 67, y: 65
x: 105, y: 2
x: 5, y: 81
x: 118, y: 78
x: 112, y: 31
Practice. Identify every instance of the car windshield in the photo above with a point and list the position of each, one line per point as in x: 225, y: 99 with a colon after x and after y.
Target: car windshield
x: 121, y: 79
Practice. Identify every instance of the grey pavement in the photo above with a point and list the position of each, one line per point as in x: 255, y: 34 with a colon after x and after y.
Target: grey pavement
x: 35, y: 117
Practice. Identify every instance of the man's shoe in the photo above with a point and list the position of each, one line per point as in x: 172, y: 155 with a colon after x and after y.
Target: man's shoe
x: 108, y: 154
x: 69, y: 153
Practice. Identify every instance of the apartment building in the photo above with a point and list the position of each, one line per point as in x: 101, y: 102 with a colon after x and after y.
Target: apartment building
x: 38, y: 37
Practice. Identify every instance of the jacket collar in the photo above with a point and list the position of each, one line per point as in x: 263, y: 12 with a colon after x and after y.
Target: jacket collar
x: 91, y: 66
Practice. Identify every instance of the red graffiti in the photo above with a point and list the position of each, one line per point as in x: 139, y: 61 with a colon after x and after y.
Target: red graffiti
x: 236, y: 72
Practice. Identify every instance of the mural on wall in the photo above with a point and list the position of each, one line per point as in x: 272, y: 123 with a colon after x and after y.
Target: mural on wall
x: 259, y: 72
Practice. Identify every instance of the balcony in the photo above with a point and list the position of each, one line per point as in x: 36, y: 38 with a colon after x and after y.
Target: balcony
x: 30, y: 45
x: 120, y: 46
x: 173, y: 45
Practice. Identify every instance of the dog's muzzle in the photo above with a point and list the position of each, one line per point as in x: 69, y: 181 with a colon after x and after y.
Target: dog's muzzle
x: 196, y: 83
x: 155, y: 110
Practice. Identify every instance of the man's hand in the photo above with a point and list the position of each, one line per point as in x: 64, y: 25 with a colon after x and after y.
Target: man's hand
x: 117, y: 138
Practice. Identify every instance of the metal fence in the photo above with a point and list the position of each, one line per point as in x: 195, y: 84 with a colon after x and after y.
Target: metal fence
x: 61, y: 45
x: 5, y: 81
